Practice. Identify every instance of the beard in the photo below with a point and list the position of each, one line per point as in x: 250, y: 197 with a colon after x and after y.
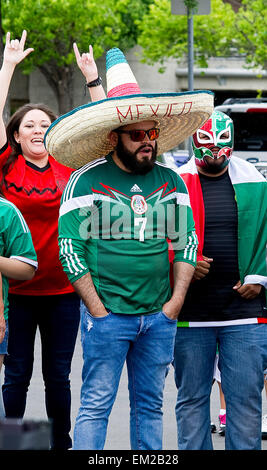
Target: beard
x: 214, y: 169
x: 214, y: 166
x: 219, y: 161
x: 130, y: 160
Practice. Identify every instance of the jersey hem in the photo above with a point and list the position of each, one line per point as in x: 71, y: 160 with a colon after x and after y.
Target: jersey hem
x: 201, y: 324
x: 41, y: 293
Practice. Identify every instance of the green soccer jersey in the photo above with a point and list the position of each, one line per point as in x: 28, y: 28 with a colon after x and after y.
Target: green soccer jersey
x: 15, y: 241
x: 115, y: 225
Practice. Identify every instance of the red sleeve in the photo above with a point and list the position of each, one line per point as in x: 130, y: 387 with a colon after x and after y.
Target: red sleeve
x: 5, y: 150
x: 171, y: 257
x: 196, y: 200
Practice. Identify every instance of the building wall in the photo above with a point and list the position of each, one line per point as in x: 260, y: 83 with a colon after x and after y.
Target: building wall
x: 226, y: 77
x: 148, y: 78
x: 217, y: 78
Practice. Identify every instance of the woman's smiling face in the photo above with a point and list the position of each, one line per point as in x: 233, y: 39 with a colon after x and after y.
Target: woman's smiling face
x: 31, y: 133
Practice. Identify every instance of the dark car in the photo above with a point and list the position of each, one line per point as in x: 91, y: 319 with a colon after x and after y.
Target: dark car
x: 250, y: 127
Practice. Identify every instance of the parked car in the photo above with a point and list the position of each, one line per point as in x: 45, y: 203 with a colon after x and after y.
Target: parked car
x: 250, y: 127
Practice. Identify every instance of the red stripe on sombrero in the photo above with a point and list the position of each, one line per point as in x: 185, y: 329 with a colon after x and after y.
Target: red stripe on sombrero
x: 125, y: 89
x: 262, y: 320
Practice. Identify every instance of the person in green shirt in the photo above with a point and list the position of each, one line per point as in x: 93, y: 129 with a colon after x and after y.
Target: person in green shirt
x: 116, y: 215
x: 18, y: 260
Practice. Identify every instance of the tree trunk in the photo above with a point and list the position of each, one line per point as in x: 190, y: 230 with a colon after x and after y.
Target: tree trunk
x: 236, y: 4
x: 65, y: 91
x: 60, y: 79
x: 6, y: 112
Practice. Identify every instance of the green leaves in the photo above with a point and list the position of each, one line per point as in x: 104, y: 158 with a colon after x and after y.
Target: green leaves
x: 251, y: 32
x: 162, y: 34
x: 53, y: 25
x: 191, y: 5
x: 223, y: 33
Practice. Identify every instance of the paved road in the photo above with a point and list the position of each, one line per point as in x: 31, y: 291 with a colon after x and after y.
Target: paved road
x: 118, y: 431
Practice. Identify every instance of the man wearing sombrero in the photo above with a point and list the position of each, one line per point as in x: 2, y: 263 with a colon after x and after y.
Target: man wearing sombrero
x: 117, y: 212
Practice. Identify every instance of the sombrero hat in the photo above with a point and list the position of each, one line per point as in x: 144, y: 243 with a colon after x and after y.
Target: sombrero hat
x: 82, y: 135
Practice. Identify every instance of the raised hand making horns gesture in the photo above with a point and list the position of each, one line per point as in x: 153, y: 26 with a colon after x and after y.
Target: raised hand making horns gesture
x: 14, y: 52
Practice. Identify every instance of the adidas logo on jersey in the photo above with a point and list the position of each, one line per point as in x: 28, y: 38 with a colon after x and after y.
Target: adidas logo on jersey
x: 136, y: 189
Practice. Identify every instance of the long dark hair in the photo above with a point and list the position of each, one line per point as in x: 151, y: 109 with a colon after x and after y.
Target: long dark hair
x: 13, y: 126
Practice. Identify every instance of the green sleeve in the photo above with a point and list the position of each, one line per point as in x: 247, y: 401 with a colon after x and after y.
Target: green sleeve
x: 73, y: 232
x: 17, y: 238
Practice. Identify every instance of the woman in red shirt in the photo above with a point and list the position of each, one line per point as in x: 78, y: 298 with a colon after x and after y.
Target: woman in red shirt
x: 34, y: 182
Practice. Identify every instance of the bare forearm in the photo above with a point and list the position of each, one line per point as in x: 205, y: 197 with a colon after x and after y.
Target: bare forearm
x: 86, y: 290
x: 183, y: 273
x: 87, y: 65
x: 14, y: 53
x: 14, y: 269
x: 97, y: 93
x: 6, y: 74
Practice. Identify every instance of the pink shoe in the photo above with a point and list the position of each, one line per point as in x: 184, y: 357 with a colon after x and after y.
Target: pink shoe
x: 222, y: 421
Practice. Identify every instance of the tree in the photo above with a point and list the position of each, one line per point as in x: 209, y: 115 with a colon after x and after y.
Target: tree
x: 163, y: 35
x: 223, y: 33
x: 54, y: 25
x: 251, y: 32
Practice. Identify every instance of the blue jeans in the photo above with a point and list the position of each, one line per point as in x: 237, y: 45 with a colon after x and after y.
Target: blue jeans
x: 146, y: 343
x: 57, y: 317
x: 242, y: 360
x: 3, y: 345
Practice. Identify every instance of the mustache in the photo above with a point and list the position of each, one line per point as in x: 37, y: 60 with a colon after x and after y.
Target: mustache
x: 144, y: 146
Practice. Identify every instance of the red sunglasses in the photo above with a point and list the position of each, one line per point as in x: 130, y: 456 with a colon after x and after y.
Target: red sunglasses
x: 139, y: 135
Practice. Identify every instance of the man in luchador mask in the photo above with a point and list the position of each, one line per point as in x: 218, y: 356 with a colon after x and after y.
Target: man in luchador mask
x: 225, y: 306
